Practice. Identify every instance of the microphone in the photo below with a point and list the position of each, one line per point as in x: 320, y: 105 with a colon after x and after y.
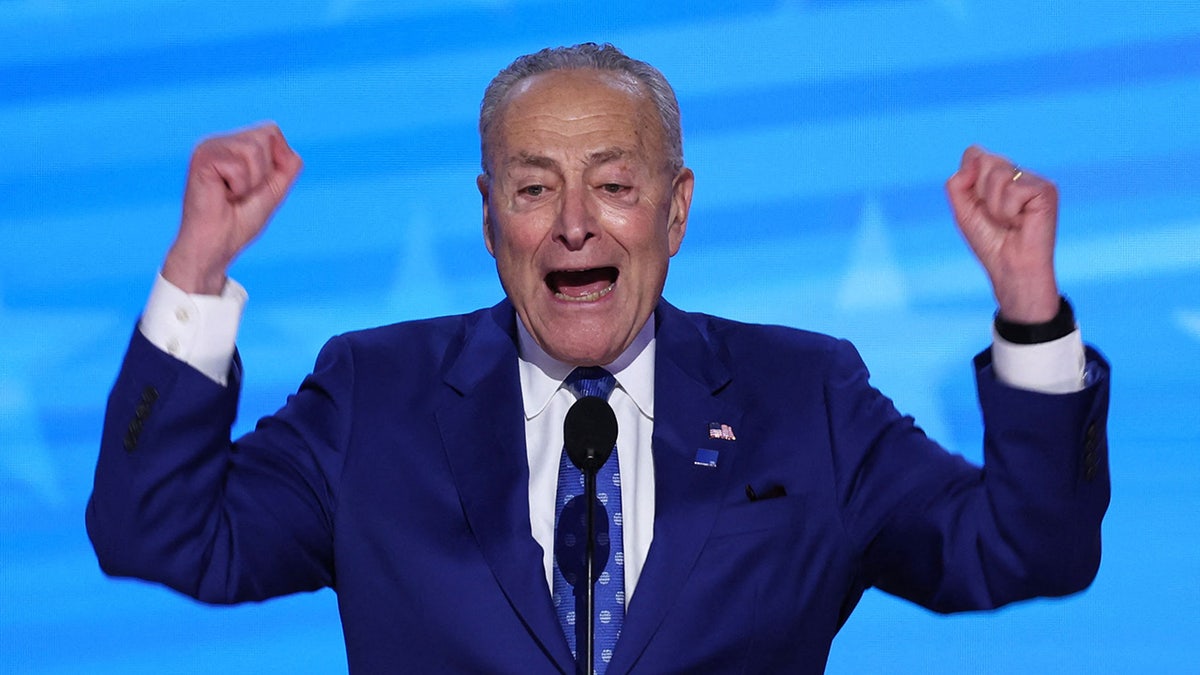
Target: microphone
x: 589, y: 436
x: 590, y: 433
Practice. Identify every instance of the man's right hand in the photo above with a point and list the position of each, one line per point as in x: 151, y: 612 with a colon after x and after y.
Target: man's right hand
x: 235, y: 182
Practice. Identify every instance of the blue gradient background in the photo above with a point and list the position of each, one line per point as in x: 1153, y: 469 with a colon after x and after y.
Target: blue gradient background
x: 820, y: 133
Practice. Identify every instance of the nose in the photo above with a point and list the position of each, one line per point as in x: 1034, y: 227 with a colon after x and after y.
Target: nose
x: 576, y: 222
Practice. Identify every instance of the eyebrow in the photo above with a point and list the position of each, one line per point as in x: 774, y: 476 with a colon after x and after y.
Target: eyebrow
x: 542, y: 162
x: 606, y: 155
x: 538, y: 161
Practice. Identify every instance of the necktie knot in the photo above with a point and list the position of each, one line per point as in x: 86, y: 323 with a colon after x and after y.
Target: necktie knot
x: 590, y: 381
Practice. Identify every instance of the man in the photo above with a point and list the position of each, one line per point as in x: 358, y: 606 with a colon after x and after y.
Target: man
x: 763, y: 484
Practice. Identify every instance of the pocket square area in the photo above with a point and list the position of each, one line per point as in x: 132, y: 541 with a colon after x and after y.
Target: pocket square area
x: 771, y: 492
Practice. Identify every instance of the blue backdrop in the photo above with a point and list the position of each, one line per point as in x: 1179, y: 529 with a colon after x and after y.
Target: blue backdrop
x: 820, y: 133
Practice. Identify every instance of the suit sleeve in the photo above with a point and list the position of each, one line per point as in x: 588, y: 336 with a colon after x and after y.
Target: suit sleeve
x: 176, y: 502
x: 952, y: 536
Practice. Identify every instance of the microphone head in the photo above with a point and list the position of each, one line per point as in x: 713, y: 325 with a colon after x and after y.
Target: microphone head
x: 589, y: 433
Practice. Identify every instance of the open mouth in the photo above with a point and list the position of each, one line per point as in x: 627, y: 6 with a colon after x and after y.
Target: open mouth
x: 582, y: 285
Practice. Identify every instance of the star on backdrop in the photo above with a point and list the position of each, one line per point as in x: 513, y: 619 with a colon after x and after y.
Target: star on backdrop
x: 1188, y: 320
x: 419, y: 288
x: 911, y: 352
x: 915, y: 341
x: 35, y: 344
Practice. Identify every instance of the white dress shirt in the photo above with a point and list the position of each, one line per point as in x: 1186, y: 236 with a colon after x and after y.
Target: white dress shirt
x: 201, y: 330
x: 546, y: 404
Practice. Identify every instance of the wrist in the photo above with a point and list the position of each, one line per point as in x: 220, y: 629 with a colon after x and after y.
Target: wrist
x: 1036, y: 332
x: 1028, y: 298
x: 193, y: 278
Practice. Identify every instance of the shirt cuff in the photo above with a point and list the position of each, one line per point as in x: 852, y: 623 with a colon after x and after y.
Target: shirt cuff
x: 1055, y: 367
x: 200, y: 330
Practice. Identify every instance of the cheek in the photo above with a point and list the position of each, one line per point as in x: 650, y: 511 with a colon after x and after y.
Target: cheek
x: 634, y: 225
x: 516, y: 254
x: 650, y: 233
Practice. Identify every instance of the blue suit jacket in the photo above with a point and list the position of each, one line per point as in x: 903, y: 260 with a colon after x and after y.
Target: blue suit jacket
x: 397, y: 476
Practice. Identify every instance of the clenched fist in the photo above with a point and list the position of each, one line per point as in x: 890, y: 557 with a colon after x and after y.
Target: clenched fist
x: 1008, y: 217
x: 234, y: 183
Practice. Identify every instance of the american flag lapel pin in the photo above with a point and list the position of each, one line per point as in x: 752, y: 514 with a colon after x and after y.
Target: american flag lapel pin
x: 720, y: 432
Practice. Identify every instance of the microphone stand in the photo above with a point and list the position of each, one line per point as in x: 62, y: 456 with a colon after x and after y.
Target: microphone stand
x: 589, y: 493
x: 589, y: 435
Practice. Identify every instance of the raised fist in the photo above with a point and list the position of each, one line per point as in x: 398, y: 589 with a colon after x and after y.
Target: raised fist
x: 1008, y: 216
x: 234, y: 183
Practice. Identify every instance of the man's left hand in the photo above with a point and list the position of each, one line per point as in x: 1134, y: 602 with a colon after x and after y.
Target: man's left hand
x: 1008, y: 216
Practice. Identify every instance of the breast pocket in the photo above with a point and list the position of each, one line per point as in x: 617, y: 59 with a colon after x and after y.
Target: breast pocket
x: 758, y: 516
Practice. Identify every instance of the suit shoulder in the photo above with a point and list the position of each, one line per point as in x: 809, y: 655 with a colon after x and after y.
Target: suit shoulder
x: 435, y: 329
x: 739, y: 336
x: 419, y: 341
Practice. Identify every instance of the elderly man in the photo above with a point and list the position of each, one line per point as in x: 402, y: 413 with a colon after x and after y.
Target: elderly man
x: 759, y: 484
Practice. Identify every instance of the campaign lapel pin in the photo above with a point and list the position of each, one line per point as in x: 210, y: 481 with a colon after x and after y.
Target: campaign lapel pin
x: 706, y: 457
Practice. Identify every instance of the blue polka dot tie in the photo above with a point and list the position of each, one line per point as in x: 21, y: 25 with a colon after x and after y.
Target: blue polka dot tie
x: 570, y: 540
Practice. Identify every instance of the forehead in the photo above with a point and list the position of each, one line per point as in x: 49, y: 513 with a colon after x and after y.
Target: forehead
x: 575, y: 110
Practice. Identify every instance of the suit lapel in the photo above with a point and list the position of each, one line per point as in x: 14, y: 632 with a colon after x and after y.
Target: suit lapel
x: 688, y: 375
x: 484, y: 440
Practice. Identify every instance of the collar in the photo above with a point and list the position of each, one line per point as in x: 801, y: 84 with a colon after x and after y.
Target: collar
x: 542, y: 375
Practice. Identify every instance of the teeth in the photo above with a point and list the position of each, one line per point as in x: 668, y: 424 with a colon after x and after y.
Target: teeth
x: 590, y: 297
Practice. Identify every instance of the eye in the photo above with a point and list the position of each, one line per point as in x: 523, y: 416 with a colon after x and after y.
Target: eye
x: 614, y: 188
x: 532, y: 190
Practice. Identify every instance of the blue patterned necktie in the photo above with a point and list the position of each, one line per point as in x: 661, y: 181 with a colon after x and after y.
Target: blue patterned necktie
x: 570, y: 540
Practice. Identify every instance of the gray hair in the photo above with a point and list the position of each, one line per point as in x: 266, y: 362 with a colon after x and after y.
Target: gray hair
x: 588, y: 55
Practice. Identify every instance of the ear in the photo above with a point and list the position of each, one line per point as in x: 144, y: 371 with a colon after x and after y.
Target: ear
x: 485, y: 185
x: 681, y: 203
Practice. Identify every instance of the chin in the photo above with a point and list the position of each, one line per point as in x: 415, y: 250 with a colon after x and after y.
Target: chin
x: 581, y: 347
x: 584, y: 334
x: 584, y: 355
